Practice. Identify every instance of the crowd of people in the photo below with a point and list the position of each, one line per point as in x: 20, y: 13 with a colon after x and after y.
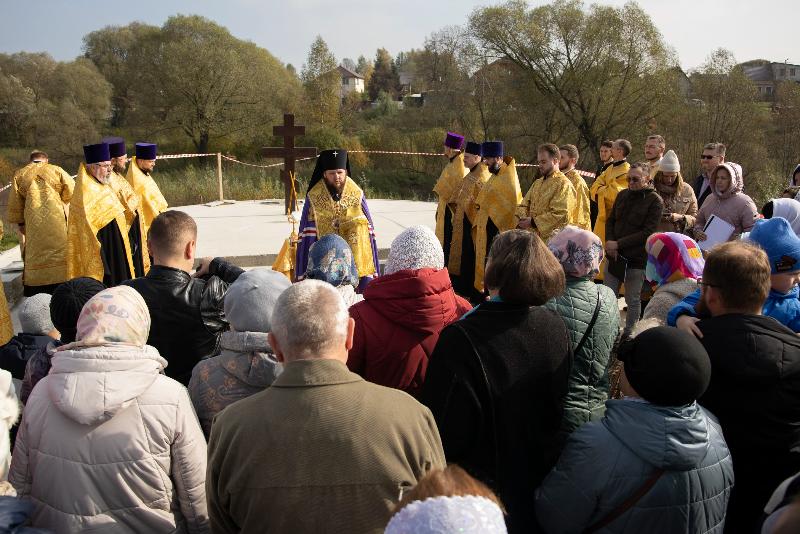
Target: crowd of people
x: 482, y: 380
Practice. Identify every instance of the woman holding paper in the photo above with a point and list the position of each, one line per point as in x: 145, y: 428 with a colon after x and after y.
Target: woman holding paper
x: 727, y: 203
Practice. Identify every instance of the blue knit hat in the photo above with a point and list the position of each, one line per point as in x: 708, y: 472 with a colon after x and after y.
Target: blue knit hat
x: 780, y: 243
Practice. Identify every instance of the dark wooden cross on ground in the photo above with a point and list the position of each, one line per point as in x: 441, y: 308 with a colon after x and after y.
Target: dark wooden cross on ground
x: 290, y: 155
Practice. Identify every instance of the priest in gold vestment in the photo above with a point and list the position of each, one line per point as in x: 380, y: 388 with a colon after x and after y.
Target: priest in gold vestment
x: 582, y: 215
x: 6, y: 326
x: 550, y: 202
x: 137, y: 236
x: 336, y: 205
x: 38, y: 204
x: 97, y: 230
x: 151, y: 201
x: 607, y: 186
x: 448, y: 183
x: 461, y: 257
x: 497, y: 204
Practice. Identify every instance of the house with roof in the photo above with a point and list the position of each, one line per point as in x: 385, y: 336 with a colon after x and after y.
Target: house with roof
x: 352, y: 82
x: 766, y: 75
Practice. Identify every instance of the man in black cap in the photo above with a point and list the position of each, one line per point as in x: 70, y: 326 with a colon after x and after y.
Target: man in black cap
x: 129, y: 199
x: 97, y: 230
x: 461, y: 260
x: 657, y: 461
x: 336, y: 205
x: 151, y: 201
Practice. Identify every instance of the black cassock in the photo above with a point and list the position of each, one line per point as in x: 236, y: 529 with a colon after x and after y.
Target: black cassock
x: 135, y: 239
x: 464, y: 283
x: 112, y: 252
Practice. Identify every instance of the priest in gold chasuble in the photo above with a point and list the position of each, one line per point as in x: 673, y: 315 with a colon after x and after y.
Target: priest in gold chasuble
x: 137, y: 237
x: 97, y: 231
x: 151, y: 202
x: 38, y: 203
x: 461, y: 257
x: 497, y: 204
x: 6, y: 326
x: 449, y: 183
x: 336, y: 205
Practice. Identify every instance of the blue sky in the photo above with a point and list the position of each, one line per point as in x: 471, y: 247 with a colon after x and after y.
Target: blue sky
x: 751, y: 29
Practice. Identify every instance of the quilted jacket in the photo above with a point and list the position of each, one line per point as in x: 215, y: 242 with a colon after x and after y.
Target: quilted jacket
x: 398, y: 324
x: 109, y: 444
x: 588, y: 381
x: 606, y: 462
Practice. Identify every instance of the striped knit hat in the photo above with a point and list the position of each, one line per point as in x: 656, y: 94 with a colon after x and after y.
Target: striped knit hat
x: 672, y: 256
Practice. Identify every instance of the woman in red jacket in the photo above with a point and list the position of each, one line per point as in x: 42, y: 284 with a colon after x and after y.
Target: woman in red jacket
x: 399, y: 321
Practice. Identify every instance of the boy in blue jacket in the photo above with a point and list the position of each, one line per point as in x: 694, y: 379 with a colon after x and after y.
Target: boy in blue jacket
x: 782, y: 246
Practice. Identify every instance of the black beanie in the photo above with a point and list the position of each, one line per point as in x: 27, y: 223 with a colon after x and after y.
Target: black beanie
x: 666, y: 366
x: 67, y: 303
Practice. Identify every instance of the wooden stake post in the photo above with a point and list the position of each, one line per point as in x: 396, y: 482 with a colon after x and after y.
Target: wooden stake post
x: 290, y: 154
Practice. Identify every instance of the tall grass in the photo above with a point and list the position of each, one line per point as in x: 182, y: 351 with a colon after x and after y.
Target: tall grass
x: 197, y: 184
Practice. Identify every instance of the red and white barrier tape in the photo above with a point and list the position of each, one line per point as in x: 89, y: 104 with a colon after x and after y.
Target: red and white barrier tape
x: 587, y: 174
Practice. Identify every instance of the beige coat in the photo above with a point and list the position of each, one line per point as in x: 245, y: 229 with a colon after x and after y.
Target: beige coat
x: 108, y: 444
x: 321, y: 450
x: 682, y: 202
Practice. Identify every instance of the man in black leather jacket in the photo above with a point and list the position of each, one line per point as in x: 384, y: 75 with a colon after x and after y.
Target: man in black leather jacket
x: 186, y: 310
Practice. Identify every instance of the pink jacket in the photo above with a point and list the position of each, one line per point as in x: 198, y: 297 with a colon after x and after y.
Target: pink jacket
x: 732, y: 206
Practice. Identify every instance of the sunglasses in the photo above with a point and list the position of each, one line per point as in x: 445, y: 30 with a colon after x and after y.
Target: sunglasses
x: 701, y: 283
x: 706, y: 156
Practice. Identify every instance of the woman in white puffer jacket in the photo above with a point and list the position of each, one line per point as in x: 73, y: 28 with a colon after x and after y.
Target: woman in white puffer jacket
x: 107, y: 442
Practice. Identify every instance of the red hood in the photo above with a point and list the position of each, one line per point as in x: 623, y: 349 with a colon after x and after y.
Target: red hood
x: 421, y: 300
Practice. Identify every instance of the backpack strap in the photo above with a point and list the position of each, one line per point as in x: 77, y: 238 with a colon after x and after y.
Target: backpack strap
x: 591, y: 324
x: 627, y: 504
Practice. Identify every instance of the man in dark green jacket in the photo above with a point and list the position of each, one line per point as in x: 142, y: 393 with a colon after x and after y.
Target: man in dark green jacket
x: 321, y: 450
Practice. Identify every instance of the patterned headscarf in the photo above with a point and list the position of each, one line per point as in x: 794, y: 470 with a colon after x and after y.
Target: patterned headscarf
x: 579, y: 251
x: 672, y: 256
x: 331, y: 260
x: 466, y: 514
x: 118, y: 315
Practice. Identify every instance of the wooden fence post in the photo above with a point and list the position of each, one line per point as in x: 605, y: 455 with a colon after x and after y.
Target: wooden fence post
x: 219, y: 176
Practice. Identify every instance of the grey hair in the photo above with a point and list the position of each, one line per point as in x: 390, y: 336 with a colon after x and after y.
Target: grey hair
x: 310, y: 318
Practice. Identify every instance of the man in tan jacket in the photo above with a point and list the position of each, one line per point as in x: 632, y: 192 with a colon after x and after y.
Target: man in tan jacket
x: 321, y: 450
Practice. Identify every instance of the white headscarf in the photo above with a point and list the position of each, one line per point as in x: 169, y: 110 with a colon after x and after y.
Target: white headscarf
x: 465, y: 514
x: 788, y: 209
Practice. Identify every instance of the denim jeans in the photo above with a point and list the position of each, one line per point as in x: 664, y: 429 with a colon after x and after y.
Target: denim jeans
x: 634, y: 278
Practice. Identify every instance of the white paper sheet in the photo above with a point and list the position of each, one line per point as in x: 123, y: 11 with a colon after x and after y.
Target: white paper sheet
x: 717, y: 231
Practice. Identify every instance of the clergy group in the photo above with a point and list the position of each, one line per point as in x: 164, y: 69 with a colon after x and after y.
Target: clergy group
x: 92, y: 226
x: 479, y: 196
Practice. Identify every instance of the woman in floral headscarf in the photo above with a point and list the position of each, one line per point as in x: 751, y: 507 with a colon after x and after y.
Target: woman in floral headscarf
x: 106, y: 438
x: 674, y: 264
x: 582, y: 304
x: 331, y: 260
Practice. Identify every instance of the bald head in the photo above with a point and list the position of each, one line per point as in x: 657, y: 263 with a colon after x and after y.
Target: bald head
x: 311, y: 322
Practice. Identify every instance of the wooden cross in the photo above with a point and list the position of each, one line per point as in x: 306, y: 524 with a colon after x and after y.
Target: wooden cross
x: 290, y: 154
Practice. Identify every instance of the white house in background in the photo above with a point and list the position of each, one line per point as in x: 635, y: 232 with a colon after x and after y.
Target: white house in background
x: 767, y: 75
x: 351, y: 81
